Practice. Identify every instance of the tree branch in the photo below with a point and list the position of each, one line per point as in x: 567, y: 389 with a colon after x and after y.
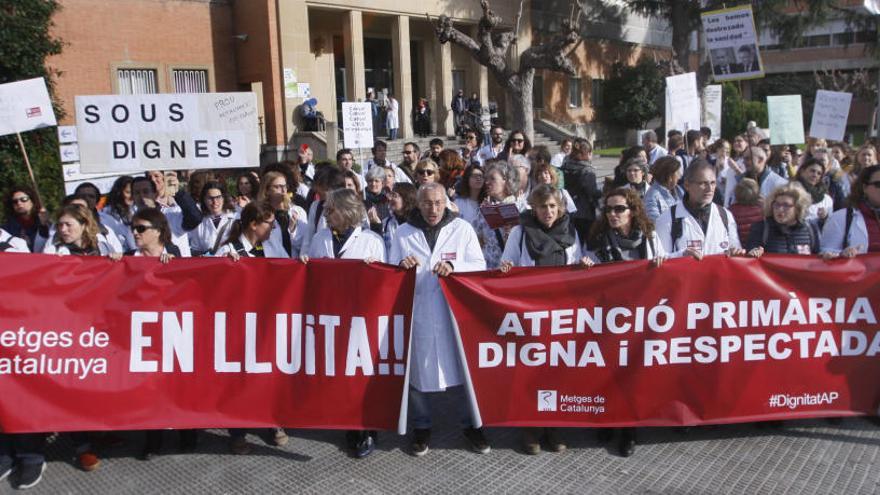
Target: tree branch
x: 553, y: 54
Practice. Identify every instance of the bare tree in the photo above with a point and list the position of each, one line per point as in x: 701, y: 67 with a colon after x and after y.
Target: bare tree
x: 492, y: 49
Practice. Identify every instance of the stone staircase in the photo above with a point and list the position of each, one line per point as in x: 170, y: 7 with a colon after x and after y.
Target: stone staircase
x: 395, y: 148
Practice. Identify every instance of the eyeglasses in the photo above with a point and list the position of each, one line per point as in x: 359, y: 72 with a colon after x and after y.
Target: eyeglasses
x: 425, y: 172
x: 782, y: 206
x: 498, y: 135
x: 140, y: 229
x: 517, y: 140
x: 21, y: 199
x: 876, y: 184
x: 471, y: 137
x: 215, y: 198
x: 619, y: 209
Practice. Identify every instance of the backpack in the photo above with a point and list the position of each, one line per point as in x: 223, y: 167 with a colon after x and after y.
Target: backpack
x: 848, y: 226
x: 678, y: 228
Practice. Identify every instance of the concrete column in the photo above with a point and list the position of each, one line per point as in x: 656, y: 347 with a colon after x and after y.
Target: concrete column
x: 479, y: 75
x: 430, y: 80
x: 402, y: 73
x: 353, y: 39
x: 443, y: 71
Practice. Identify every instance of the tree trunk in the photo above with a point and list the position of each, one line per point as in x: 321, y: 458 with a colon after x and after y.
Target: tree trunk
x: 522, y: 109
x: 681, y: 33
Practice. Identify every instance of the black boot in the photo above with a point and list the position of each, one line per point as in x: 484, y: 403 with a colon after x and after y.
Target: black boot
x: 627, y: 445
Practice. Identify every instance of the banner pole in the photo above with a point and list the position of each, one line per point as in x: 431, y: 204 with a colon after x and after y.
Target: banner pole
x: 27, y: 162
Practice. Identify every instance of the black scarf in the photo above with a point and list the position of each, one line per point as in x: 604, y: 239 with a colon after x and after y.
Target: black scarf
x: 375, y: 199
x: 817, y: 192
x: 700, y: 213
x: 547, y: 245
x: 339, y: 240
x: 78, y: 251
x: 431, y: 233
x: 283, y: 218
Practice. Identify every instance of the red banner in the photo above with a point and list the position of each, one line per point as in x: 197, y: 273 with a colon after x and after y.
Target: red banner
x: 87, y: 343
x: 716, y: 341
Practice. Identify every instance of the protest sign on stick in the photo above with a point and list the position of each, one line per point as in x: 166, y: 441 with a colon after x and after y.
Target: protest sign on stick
x: 682, y: 102
x: 135, y: 133
x: 733, y: 44
x: 786, y: 119
x: 830, y: 114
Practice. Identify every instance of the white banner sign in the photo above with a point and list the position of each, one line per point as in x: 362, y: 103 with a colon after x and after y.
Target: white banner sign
x: 732, y: 43
x: 131, y: 133
x: 682, y: 103
x: 73, y: 177
x: 786, y: 119
x: 25, y: 106
x: 712, y: 110
x: 357, y: 125
x: 830, y: 114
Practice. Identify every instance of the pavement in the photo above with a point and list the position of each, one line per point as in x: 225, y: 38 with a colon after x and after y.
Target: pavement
x: 805, y: 456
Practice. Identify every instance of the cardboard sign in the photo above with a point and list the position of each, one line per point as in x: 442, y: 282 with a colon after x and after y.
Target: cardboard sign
x: 25, y: 106
x: 712, y: 110
x: 502, y: 215
x: 357, y: 125
x: 830, y: 114
x: 131, y: 133
x: 682, y: 102
x: 733, y: 44
x: 786, y: 119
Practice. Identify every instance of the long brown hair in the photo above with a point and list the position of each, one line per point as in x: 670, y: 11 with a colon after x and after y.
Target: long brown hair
x: 638, y: 217
x: 857, y: 195
x: 85, y: 218
x: 255, y: 211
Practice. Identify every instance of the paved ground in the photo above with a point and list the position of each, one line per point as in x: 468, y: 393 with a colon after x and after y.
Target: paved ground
x: 801, y: 457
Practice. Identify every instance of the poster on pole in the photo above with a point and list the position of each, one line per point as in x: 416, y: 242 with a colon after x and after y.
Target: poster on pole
x: 830, y: 114
x: 786, y: 119
x: 682, y: 102
x: 357, y: 125
x: 712, y: 110
x: 25, y: 106
x: 733, y: 44
x: 134, y: 133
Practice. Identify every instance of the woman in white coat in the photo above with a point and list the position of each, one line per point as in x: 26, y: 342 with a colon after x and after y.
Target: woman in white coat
x: 435, y: 243
x: 346, y: 238
x: 291, y: 221
x: 247, y: 235
x: 809, y: 176
x: 392, y: 118
x: 218, y: 213
x: 544, y: 237
x: 855, y: 229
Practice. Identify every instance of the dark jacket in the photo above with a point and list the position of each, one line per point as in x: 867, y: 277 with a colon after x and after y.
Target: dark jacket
x: 580, y: 182
x: 779, y: 239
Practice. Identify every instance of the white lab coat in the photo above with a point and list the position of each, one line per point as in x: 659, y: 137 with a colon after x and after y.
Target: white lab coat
x: 715, y: 241
x: 275, y: 242
x: 515, y: 250
x: 658, y: 250
x: 468, y: 210
x: 435, y: 363
x: 107, y: 244
x: 179, y: 235
x: 204, y: 237
x: 770, y: 184
x: 16, y: 244
x: 361, y: 244
x: 315, y: 223
x: 813, y: 211
x: 268, y: 251
x: 391, y: 119
x: 835, y: 226
x: 122, y: 229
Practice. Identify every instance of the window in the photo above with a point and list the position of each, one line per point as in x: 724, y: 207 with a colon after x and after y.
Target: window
x: 458, y: 82
x: 818, y: 40
x: 190, y: 81
x: 538, y: 92
x: 597, y: 93
x: 136, y: 81
x: 574, y: 92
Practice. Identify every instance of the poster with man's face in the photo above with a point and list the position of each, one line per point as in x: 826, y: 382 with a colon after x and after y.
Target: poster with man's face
x: 733, y: 44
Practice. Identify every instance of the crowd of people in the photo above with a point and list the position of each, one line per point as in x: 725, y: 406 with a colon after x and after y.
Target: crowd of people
x: 433, y: 212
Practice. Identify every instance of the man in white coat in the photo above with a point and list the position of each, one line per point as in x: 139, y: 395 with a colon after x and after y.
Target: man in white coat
x: 435, y: 243
x: 755, y: 160
x: 696, y: 226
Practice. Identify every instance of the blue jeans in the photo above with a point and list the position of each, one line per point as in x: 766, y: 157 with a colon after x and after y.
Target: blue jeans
x: 392, y: 134
x: 26, y: 448
x: 420, y: 407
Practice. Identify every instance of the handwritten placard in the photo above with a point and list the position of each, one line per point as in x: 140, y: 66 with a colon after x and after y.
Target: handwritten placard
x: 25, y: 106
x: 830, y: 114
x: 786, y: 119
x: 682, y: 102
x: 357, y: 125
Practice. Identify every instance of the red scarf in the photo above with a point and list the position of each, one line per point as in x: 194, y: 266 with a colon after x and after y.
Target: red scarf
x: 872, y: 224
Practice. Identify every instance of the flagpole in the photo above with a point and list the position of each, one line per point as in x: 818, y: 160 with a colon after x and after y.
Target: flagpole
x: 27, y: 162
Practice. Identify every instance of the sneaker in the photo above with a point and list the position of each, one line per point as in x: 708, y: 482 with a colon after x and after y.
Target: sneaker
x: 29, y: 475
x: 421, y: 439
x: 554, y: 443
x: 239, y: 446
x: 477, y: 440
x: 88, y: 461
x: 531, y: 445
x: 280, y: 437
x: 365, y: 447
x: 7, y: 466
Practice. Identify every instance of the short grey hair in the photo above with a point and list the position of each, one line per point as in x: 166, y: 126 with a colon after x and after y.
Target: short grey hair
x: 521, y: 161
x: 428, y: 187
x: 349, y: 204
x: 376, y: 172
x: 542, y: 193
x: 508, y: 173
